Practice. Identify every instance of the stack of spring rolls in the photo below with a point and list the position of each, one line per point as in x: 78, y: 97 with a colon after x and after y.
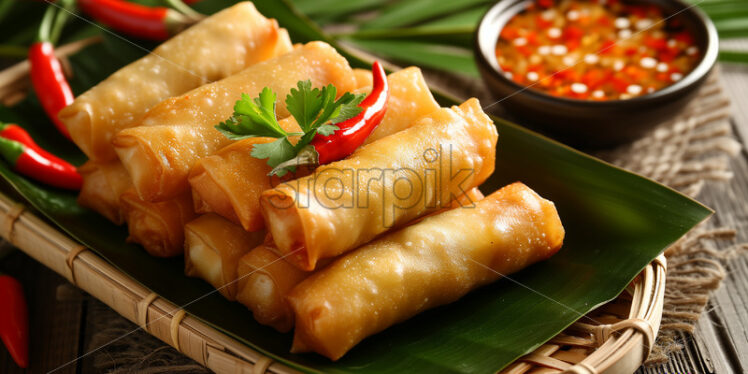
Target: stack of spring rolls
x: 335, y: 254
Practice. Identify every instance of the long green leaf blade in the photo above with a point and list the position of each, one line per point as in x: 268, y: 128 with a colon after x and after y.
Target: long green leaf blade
x: 734, y: 56
x: 732, y: 27
x: 449, y: 58
x: 406, y: 13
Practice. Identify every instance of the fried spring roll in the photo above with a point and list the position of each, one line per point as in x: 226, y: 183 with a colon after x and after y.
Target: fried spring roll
x: 215, y: 48
x: 387, y: 183
x: 431, y: 263
x: 264, y: 281
x: 103, y: 183
x: 230, y: 182
x: 212, y: 249
x: 180, y: 131
x: 363, y: 77
x: 158, y: 227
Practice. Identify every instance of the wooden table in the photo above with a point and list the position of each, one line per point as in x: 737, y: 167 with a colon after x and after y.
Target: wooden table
x: 64, y: 320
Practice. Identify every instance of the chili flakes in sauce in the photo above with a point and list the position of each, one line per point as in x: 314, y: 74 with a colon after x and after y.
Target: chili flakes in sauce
x: 595, y: 49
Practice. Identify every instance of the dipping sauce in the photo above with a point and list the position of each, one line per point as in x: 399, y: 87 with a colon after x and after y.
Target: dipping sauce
x: 595, y: 49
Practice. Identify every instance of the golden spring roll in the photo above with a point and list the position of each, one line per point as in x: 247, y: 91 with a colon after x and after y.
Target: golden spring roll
x: 213, y: 49
x: 212, y: 249
x: 158, y: 227
x: 363, y: 77
x: 103, y: 183
x: 180, y: 131
x: 230, y: 182
x: 431, y: 263
x: 384, y: 184
x: 264, y: 281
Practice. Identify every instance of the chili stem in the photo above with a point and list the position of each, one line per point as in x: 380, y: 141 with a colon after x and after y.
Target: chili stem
x: 184, y: 9
x: 63, y: 13
x: 46, y: 26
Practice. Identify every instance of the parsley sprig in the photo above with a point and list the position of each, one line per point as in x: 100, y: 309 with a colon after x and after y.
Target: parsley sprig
x: 315, y: 110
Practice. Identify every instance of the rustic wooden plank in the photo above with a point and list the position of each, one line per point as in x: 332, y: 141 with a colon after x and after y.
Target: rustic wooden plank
x: 730, y: 302
x: 720, y: 344
x: 735, y: 77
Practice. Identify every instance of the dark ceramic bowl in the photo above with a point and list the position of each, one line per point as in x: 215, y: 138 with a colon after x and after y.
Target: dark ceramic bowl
x: 593, y: 124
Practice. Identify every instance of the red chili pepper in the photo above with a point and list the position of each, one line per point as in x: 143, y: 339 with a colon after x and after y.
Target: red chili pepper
x: 47, y: 78
x: 656, y: 43
x: 14, y: 323
x: 353, y: 132
x: 49, y: 82
x: 14, y: 132
x: 509, y: 33
x: 542, y: 23
x: 573, y: 33
x: 607, y: 47
x: 28, y: 161
x: 155, y: 23
x: 545, y: 3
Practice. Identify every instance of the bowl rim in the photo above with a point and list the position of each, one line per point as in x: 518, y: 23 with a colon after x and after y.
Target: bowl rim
x: 697, y: 74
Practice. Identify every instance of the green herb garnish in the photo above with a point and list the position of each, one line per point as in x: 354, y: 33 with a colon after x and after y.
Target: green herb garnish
x: 315, y: 110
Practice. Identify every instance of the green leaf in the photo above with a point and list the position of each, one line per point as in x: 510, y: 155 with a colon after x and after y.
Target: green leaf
x: 331, y: 9
x: 457, y: 29
x: 327, y: 130
x: 734, y: 56
x: 616, y: 223
x: 443, y: 57
x: 276, y: 152
x: 405, y: 13
x: 304, y: 104
x: 327, y: 100
x: 349, y: 107
x: 253, y: 118
x: 726, y: 10
x: 732, y: 27
x: 305, y: 140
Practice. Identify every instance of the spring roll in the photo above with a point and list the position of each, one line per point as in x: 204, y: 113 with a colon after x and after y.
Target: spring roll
x: 431, y: 263
x: 387, y: 183
x: 213, y: 49
x: 103, y: 183
x: 363, y: 77
x: 180, y: 131
x: 158, y: 227
x: 212, y: 249
x: 264, y: 281
x: 230, y: 182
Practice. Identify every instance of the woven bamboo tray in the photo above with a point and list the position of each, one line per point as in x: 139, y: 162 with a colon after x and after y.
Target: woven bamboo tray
x: 615, y: 338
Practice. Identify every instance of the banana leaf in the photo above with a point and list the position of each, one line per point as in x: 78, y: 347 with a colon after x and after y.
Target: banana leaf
x: 616, y: 223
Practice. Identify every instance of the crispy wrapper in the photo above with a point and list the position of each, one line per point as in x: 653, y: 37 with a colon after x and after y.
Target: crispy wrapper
x: 264, y: 281
x: 216, y: 47
x: 212, y: 249
x: 230, y: 182
x: 103, y: 183
x: 385, y: 184
x: 177, y: 133
x: 158, y: 227
x: 431, y: 263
